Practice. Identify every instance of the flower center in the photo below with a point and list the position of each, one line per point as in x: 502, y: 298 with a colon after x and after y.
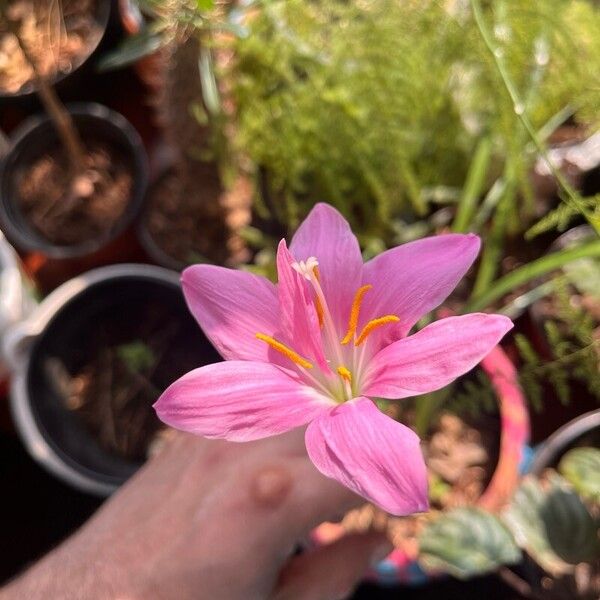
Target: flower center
x: 342, y: 383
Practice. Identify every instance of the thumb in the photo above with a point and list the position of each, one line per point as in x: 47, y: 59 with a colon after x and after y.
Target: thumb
x: 332, y: 572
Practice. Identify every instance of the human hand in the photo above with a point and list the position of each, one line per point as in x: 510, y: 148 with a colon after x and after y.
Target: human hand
x: 211, y: 519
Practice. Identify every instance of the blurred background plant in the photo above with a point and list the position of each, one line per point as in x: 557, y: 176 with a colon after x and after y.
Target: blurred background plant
x: 554, y: 519
x: 388, y: 109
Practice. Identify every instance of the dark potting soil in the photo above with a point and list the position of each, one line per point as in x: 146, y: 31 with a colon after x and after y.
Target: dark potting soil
x: 181, y: 223
x: 59, y: 36
x: 69, y: 211
x: 130, y: 360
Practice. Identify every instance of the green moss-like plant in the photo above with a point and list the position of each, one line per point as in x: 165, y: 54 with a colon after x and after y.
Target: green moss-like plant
x: 372, y: 105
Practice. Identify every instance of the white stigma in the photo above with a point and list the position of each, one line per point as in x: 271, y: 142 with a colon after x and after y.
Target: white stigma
x: 306, y: 268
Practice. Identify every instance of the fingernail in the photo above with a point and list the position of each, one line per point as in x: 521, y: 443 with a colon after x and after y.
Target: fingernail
x: 382, y: 551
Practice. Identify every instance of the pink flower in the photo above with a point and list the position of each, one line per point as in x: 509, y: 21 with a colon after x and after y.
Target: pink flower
x: 330, y: 335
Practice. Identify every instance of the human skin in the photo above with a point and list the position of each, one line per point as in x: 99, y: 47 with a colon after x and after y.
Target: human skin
x: 210, y: 519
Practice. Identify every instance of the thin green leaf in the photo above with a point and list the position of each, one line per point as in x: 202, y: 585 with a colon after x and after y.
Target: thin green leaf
x: 131, y: 50
x: 528, y: 272
x: 474, y: 184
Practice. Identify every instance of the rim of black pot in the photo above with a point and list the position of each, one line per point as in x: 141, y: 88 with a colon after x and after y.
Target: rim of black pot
x: 50, y: 433
x: 562, y: 439
x: 102, y: 18
x: 113, y: 128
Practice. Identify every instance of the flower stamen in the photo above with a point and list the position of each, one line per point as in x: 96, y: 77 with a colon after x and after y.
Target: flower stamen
x: 355, y: 312
x: 285, y: 350
x: 318, y: 306
x: 374, y: 324
x: 344, y: 373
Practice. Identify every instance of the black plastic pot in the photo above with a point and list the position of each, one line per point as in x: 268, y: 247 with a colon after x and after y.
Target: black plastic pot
x: 583, y: 431
x: 155, y: 253
x: 66, y: 82
x: 36, y: 137
x: 58, y: 330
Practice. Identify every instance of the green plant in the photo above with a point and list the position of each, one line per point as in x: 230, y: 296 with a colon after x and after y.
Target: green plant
x: 546, y: 518
x: 374, y: 126
x: 581, y: 467
x: 575, y: 351
x: 466, y: 541
x: 137, y: 356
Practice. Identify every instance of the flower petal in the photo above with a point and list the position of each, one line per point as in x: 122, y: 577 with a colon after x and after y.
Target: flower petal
x: 239, y: 401
x: 326, y: 234
x: 232, y: 307
x: 433, y: 357
x: 370, y: 453
x: 413, y: 279
x: 299, y: 320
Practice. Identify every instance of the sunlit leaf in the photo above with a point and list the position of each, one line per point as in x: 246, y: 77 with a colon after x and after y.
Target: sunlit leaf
x: 581, y: 468
x: 131, y: 50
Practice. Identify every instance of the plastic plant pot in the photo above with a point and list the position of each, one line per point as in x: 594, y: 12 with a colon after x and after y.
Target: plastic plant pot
x: 36, y: 137
x: 64, y: 82
x: 16, y: 293
x: 583, y: 431
x: 58, y: 330
x: 402, y: 568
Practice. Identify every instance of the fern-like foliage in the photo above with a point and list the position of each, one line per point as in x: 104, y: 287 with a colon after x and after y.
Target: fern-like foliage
x: 575, y: 353
x: 562, y: 216
x: 367, y: 105
x: 473, y: 397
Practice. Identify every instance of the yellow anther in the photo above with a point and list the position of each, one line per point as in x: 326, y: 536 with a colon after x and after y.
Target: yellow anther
x: 374, y: 324
x: 283, y: 349
x: 355, y: 312
x: 344, y: 374
x: 319, y: 310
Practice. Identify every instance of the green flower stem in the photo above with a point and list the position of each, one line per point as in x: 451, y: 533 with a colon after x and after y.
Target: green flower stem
x: 530, y: 271
x: 569, y: 194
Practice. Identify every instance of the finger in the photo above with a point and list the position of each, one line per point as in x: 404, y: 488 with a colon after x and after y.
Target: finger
x: 331, y: 572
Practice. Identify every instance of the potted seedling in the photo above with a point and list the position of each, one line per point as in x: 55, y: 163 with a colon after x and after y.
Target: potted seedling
x: 63, y: 35
x: 90, y: 362
x: 73, y: 179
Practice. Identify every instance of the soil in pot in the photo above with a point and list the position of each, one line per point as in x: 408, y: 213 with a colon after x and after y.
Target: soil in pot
x: 61, y: 35
x: 180, y: 224
x: 127, y: 363
x: 70, y: 211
